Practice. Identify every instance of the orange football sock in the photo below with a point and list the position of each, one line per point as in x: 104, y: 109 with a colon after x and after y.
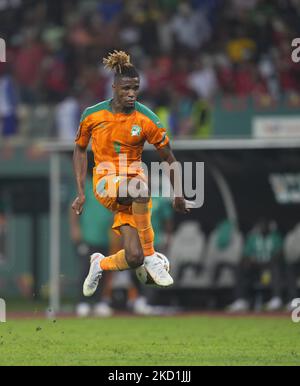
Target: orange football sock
x: 116, y: 262
x: 142, y: 217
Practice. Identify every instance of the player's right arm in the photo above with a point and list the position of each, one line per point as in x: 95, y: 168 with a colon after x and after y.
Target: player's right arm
x: 75, y: 231
x: 80, y: 169
x: 80, y: 162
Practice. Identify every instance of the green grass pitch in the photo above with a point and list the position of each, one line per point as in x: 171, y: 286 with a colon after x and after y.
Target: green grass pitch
x: 165, y: 341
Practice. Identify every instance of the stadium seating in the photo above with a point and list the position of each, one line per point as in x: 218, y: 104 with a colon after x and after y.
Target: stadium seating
x: 187, y: 253
x: 291, y: 246
x: 224, y: 257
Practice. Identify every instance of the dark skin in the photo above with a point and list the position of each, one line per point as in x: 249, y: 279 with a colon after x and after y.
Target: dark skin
x: 125, y: 94
x: 124, y: 98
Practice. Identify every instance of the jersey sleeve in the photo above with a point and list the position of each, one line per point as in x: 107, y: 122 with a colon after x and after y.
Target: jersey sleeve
x: 84, y: 132
x: 156, y: 134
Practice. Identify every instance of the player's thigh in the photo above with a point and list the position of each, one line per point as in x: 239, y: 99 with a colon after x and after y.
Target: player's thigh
x: 131, y: 189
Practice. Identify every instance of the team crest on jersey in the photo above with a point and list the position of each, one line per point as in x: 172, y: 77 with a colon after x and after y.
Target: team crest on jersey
x: 135, y: 131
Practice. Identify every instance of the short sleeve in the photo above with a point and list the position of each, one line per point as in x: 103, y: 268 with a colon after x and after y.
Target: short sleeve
x: 156, y: 135
x: 84, y: 132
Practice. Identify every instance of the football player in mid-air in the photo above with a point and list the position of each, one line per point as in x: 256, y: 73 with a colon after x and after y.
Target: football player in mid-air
x: 119, y: 128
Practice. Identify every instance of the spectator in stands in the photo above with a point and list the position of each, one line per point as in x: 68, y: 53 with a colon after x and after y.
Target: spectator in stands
x: 224, y: 250
x: 171, y: 39
x: 203, y: 79
x: 28, y: 65
x: 3, y: 233
x: 267, y: 71
x: 260, y: 268
x: 8, y: 103
x: 179, y: 115
x: 243, y: 5
x: 191, y: 28
x: 202, y: 125
x: 225, y: 74
x: 110, y: 9
x: 245, y: 79
x: 67, y: 116
x: 240, y: 48
x: 54, y: 76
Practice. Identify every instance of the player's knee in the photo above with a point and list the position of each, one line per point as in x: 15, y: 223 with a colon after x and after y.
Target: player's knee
x: 134, y: 257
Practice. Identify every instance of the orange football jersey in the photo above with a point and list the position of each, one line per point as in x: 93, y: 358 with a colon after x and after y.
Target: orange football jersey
x: 118, y: 139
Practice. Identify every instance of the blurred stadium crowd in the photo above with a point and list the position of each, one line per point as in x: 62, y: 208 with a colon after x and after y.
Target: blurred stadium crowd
x: 187, y: 53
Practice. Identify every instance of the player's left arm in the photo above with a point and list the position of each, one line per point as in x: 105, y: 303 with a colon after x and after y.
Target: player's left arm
x: 166, y: 154
x: 156, y: 134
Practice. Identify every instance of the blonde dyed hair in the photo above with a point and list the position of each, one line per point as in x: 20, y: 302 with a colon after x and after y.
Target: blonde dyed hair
x: 118, y: 61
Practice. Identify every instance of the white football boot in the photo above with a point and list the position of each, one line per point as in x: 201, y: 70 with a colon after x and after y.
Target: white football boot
x: 95, y: 273
x: 156, y: 270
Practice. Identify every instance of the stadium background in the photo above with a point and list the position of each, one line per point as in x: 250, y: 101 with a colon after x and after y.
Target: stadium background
x: 218, y: 73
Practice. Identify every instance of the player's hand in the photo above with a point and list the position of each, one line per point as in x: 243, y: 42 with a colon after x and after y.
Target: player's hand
x: 78, y: 203
x: 180, y: 205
